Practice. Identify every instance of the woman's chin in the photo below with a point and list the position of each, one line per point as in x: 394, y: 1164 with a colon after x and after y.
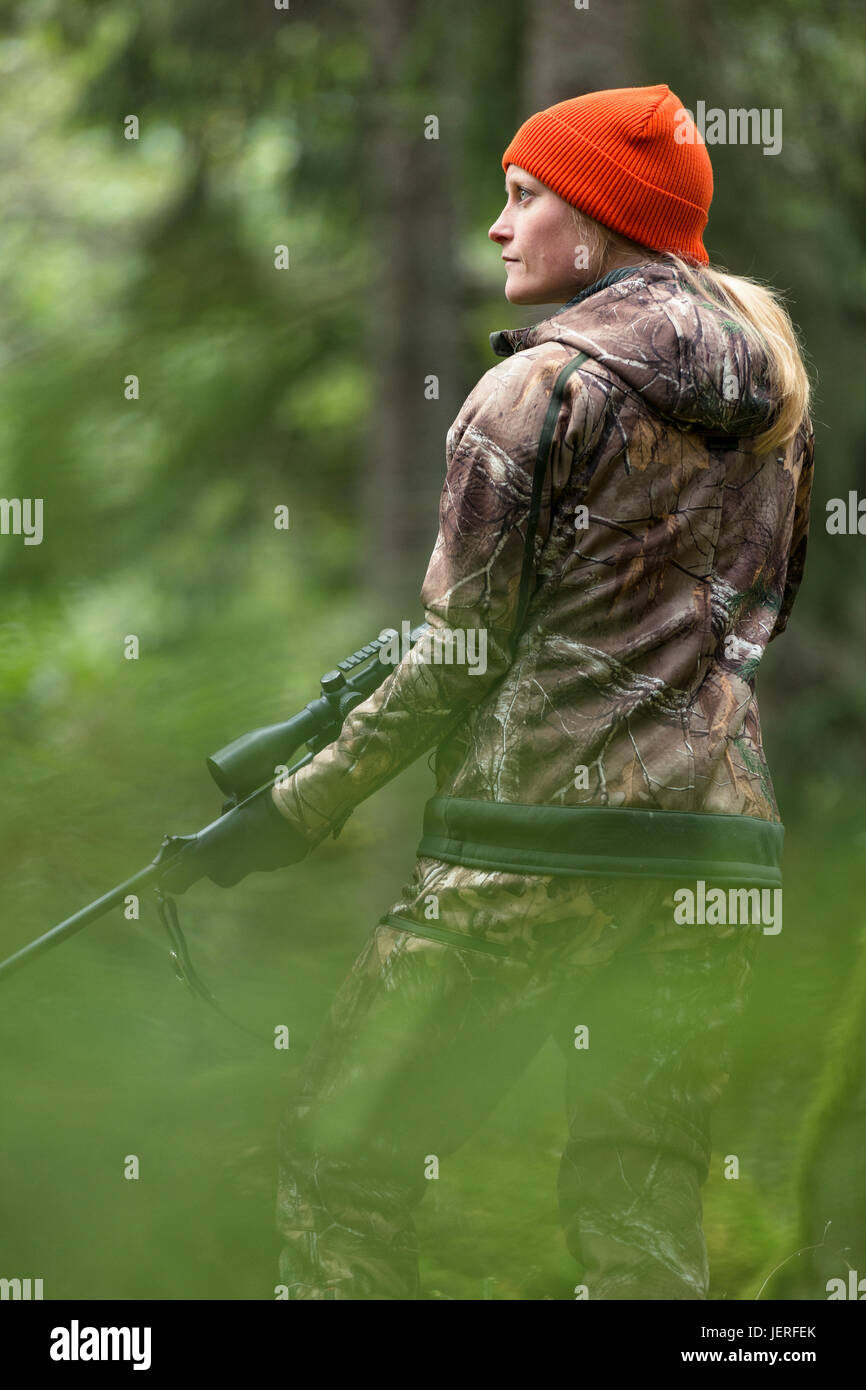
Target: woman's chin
x: 533, y: 293
x: 520, y: 294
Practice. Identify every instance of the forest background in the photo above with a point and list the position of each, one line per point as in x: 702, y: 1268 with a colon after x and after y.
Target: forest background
x: 305, y: 388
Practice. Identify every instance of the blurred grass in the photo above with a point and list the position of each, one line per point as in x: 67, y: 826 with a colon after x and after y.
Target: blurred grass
x: 103, y: 1054
x: 155, y: 258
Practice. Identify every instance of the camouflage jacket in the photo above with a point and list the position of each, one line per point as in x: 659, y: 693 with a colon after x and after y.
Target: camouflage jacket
x: 608, y: 526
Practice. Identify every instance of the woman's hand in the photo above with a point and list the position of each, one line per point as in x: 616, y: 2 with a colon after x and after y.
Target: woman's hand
x: 250, y: 838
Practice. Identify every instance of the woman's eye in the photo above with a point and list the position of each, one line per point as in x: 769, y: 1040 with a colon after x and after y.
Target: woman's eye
x: 521, y: 190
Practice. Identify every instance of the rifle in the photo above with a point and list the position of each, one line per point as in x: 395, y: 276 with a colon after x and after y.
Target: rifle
x: 244, y: 769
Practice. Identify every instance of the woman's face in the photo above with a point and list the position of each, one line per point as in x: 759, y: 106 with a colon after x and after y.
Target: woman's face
x: 537, y: 234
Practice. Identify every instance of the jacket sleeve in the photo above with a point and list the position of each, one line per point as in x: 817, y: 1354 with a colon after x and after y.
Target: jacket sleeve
x: 472, y: 587
x: 800, y: 531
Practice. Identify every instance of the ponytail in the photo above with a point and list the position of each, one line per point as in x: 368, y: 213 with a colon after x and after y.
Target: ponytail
x: 758, y: 310
x: 765, y: 322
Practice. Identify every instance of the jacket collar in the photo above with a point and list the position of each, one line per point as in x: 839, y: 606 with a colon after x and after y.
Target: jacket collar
x: 506, y: 341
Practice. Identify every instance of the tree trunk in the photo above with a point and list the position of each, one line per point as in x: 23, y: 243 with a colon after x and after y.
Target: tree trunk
x: 571, y: 51
x: 415, y: 299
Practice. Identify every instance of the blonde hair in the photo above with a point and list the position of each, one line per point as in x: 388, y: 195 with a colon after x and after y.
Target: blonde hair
x: 758, y: 310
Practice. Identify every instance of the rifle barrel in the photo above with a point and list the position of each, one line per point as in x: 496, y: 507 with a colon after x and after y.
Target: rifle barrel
x: 78, y: 920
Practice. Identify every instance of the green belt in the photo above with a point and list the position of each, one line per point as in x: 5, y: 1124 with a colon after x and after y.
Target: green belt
x: 610, y: 842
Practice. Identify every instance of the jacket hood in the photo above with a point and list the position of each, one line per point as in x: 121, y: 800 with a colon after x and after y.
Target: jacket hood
x: 682, y: 354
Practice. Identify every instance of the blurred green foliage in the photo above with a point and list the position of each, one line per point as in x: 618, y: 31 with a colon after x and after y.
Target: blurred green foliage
x: 155, y: 257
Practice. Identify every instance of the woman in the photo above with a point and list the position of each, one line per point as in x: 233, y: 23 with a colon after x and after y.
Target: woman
x: 624, y: 516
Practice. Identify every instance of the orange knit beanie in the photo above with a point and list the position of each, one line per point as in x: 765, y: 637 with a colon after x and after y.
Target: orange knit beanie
x: 631, y: 158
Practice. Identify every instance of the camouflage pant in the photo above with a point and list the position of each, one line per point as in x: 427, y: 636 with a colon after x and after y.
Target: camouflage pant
x: 426, y: 1036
